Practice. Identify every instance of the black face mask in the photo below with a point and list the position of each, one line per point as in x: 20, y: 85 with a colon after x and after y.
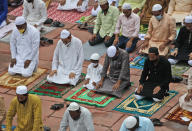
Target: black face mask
x: 115, y: 57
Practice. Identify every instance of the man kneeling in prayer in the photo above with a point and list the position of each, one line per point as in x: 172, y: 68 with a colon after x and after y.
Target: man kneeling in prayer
x: 119, y: 73
x: 93, y: 72
x: 67, y: 60
x: 155, y: 78
x: 24, y: 46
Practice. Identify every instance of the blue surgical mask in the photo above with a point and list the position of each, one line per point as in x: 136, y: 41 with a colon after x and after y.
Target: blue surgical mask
x: 159, y: 17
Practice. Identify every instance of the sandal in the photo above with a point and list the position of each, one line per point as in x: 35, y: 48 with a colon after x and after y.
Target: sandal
x: 57, y: 24
x: 157, y: 122
x: 48, y: 21
x: 56, y: 106
x: 45, y: 41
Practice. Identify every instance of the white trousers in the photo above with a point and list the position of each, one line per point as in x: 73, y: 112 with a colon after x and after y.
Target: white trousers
x: 3, y: 24
x: 174, y: 61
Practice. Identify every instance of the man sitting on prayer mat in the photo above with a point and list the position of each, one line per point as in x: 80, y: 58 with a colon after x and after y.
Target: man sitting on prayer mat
x: 35, y: 12
x: 185, y: 101
x: 28, y: 110
x: 155, y: 77
x: 183, y: 45
x: 117, y: 61
x: 137, y: 123
x: 24, y: 46
x: 105, y: 25
x: 179, y: 9
x: 146, y: 12
x: 129, y: 24
x: 136, y: 5
x: 94, y: 70
x: 2, y: 111
x: 79, y: 5
x: 67, y: 60
x: 3, y: 12
x: 161, y: 31
x: 77, y: 118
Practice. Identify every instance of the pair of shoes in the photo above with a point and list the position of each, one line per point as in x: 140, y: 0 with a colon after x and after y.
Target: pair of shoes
x: 45, y: 41
x: 157, y: 122
x: 56, y: 106
x: 57, y: 24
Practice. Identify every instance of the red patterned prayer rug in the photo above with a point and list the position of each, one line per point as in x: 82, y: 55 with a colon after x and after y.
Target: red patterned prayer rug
x: 177, y: 114
x: 57, y: 15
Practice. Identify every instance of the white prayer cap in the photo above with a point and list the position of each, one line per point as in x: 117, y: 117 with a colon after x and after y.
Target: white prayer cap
x: 126, y: 6
x: 20, y: 20
x: 130, y: 122
x: 102, y: 2
x: 73, y: 106
x: 21, y: 90
x: 156, y: 7
x: 64, y: 34
x: 95, y: 56
x: 111, y: 51
x: 188, y: 19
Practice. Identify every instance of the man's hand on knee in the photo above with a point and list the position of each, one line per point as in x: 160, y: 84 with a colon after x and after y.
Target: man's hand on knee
x: 140, y: 88
x: 71, y: 75
x: 107, y: 38
x: 53, y: 72
x: 13, y: 62
x: 156, y: 90
x: 27, y: 63
x: 93, y: 37
x: 116, y: 86
x: 62, y: 2
x: 80, y: 3
x: 100, y: 84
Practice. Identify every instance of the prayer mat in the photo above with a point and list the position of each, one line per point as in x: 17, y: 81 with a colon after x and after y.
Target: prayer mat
x: 144, y: 107
x: 177, y: 114
x: 8, y: 81
x: 90, y: 97
x: 44, y: 88
x: 179, y: 69
x: 3, y: 127
x: 89, y: 50
x: 138, y: 62
x: 57, y: 15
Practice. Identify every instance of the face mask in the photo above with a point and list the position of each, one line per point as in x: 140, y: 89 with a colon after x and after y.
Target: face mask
x: 22, y: 31
x: 95, y: 64
x: 115, y: 57
x: 159, y: 17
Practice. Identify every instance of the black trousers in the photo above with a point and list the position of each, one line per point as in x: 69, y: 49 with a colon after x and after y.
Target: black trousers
x: 99, y: 39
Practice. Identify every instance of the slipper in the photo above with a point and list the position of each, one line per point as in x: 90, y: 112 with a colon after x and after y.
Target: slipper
x: 157, y: 122
x: 57, y: 24
x: 48, y: 21
x: 56, y: 106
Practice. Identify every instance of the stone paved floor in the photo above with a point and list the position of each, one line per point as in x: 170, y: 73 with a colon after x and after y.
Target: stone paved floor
x: 104, y: 118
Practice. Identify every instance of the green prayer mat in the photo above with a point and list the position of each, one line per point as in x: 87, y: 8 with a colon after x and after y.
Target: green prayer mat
x: 45, y: 88
x: 144, y: 107
x: 179, y: 69
x: 90, y: 97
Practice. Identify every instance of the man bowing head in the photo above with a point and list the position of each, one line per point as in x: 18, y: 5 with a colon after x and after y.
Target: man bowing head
x: 67, y: 60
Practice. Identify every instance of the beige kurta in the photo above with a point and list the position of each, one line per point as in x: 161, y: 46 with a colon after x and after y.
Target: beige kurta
x: 183, y: 104
x: 160, y: 32
x: 179, y: 9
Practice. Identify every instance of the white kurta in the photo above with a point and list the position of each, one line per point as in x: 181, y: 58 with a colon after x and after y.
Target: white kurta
x: 95, y: 12
x: 183, y: 104
x: 94, y: 74
x: 3, y: 24
x: 66, y: 60
x: 25, y: 47
x: 35, y: 13
x: 84, y: 123
x: 72, y: 4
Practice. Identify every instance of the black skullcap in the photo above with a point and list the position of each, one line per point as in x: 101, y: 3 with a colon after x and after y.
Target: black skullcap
x: 154, y: 50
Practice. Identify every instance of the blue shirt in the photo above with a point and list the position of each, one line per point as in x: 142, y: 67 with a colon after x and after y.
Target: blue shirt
x: 145, y: 124
x: 3, y: 10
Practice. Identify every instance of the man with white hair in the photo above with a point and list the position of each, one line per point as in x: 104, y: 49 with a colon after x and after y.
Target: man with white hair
x: 137, y: 123
x: 114, y: 83
x: 77, y: 118
x: 183, y: 44
x: 67, y: 60
x: 105, y: 24
x: 94, y: 70
x: 24, y: 46
x: 35, y: 12
x: 129, y: 24
x: 161, y: 31
x: 28, y: 110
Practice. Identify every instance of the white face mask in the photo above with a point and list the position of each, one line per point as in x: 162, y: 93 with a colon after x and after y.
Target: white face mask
x: 95, y: 64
